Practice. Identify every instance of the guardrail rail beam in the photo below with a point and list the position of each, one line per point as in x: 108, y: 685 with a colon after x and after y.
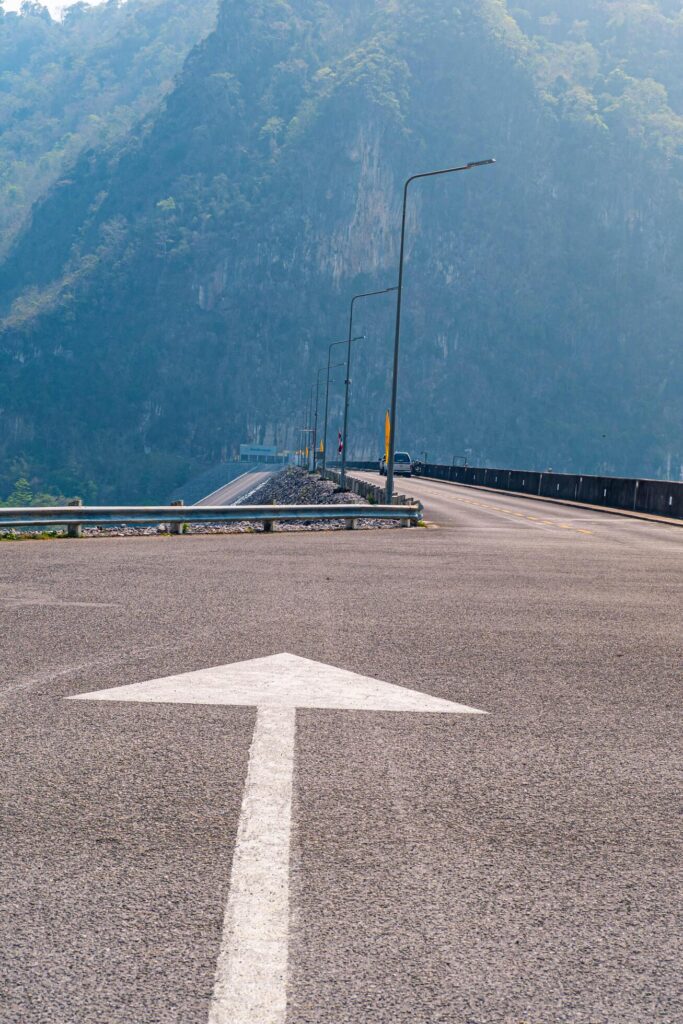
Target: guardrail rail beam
x: 73, y: 517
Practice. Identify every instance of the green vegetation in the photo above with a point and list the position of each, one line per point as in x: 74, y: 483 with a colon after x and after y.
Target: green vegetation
x: 173, y: 293
x: 22, y: 497
x: 82, y: 82
x: 15, y: 535
x: 614, y: 64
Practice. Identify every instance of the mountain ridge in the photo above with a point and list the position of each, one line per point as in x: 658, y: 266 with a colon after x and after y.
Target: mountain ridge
x: 269, y: 178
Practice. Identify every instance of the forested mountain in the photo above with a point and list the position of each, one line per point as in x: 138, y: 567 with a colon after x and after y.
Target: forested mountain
x: 82, y: 81
x: 175, y: 294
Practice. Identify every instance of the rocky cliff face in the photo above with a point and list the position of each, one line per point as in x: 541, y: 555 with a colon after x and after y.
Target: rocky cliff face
x: 177, y: 295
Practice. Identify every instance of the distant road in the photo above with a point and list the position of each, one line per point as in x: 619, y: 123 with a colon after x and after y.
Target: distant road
x: 239, y: 487
x: 449, y: 504
x: 516, y: 866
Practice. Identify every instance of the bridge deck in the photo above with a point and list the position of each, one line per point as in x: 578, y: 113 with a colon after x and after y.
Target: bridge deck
x: 513, y: 866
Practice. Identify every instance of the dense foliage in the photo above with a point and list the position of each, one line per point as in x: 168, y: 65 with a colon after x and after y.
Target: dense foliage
x: 614, y: 62
x: 21, y: 496
x: 175, y: 295
x: 82, y: 81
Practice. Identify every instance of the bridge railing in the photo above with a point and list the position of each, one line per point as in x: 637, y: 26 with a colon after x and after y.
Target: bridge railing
x: 652, y: 497
x: 74, y: 518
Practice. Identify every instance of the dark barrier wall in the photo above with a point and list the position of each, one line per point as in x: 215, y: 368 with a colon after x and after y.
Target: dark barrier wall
x: 656, y: 497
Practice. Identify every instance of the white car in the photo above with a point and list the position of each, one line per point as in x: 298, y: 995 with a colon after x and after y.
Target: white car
x: 403, y: 465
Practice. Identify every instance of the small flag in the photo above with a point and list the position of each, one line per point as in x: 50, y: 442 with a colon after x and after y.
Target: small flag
x: 341, y: 443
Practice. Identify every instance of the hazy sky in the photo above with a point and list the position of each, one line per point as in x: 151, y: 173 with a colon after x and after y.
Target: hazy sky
x: 55, y: 6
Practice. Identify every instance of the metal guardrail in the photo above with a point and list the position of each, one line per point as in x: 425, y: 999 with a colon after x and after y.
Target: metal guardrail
x: 75, y: 517
x: 662, y: 498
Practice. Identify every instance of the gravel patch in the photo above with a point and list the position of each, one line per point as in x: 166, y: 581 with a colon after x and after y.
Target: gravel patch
x: 296, y: 486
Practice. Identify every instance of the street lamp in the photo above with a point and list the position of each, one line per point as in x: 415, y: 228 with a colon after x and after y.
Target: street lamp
x: 302, y: 436
x: 309, y: 427
x: 330, y: 366
x: 315, y: 422
x: 397, y: 337
x: 345, y: 341
x: 362, y: 295
x: 305, y: 435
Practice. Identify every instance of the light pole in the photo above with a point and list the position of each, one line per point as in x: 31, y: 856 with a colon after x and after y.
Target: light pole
x: 315, y: 422
x: 397, y: 337
x: 362, y: 295
x: 309, y: 427
x: 332, y: 366
x: 344, y: 341
x: 302, y: 436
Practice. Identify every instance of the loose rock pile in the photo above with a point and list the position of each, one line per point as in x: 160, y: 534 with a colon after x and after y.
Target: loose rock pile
x: 296, y: 487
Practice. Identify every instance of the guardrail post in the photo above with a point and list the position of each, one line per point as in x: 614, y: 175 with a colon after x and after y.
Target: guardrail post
x: 176, y: 528
x: 269, y: 525
x: 75, y: 530
x: 350, y: 524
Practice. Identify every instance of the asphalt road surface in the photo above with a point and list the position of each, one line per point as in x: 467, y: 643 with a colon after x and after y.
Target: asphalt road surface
x: 519, y: 866
x: 238, y: 488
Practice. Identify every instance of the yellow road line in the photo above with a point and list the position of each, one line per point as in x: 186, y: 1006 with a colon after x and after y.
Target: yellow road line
x: 523, y: 515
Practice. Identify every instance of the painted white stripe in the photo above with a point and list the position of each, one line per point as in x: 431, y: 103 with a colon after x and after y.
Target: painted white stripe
x: 251, y: 976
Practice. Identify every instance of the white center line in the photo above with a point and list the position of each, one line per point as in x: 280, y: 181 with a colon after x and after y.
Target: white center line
x: 251, y: 975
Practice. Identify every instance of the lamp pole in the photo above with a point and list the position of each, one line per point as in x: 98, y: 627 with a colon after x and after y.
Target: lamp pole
x: 399, y: 297
x: 344, y: 341
x: 327, y: 394
x: 302, y: 437
x: 347, y: 382
x: 315, y: 421
x: 309, y: 427
x: 332, y: 366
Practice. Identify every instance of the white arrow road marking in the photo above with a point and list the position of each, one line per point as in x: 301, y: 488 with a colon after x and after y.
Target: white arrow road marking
x: 280, y: 681
x: 251, y: 976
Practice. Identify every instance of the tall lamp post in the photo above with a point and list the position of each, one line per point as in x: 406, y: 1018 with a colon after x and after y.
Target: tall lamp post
x: 397, y: 337
x: 303, y: 438
x: 315, y: 421
x: 344, y: 341
x: 332, y: 366
x: 362, y: 295
x: 309, y: 427
x: 303, y: 434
